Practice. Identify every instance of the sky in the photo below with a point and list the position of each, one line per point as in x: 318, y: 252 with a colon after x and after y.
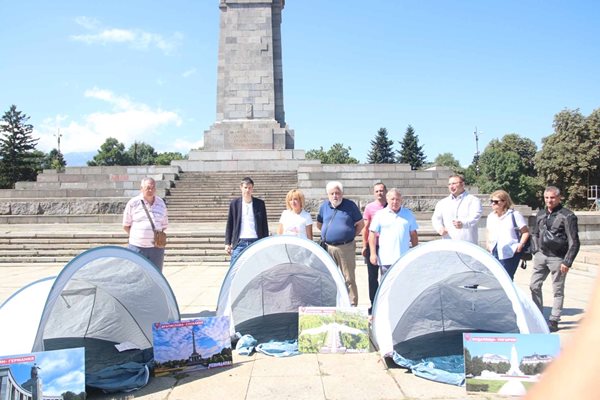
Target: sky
x: 60, y: 370
x: 145, y: 71
x: 525, y: 344
x: 174, y: 342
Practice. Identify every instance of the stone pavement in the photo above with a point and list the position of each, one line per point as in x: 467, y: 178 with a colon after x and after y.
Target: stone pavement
x: 307, y: 376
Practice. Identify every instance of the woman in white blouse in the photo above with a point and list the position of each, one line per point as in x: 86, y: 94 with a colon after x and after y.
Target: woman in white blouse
x: 504, y: 227
x: 295, y: 220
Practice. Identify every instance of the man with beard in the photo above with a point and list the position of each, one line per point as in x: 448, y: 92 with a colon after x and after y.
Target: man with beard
x: 340, y: 221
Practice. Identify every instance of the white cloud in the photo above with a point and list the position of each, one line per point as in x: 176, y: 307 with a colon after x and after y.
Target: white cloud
x: 136, y: 38
x: 189, y: 72
x: 183, y: 146
x: 126, y: 121
x: 87, y: 22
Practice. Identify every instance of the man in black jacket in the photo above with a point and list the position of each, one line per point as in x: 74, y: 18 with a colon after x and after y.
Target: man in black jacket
x: 246, y: 221
x: 555, y: 243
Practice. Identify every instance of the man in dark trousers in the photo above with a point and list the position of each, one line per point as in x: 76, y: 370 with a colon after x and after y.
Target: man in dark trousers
x: 379, y: 203
x: 555, y: 243
x: 246, y: 221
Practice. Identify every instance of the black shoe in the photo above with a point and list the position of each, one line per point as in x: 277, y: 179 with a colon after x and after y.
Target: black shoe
x: 553, y: 326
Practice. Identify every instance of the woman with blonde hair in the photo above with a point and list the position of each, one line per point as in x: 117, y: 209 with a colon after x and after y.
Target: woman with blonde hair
x: 507, y: 232
x: 295, y: 220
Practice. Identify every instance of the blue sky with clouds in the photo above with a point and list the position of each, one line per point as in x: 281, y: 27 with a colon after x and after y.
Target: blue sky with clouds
x: 175, y: 343
x: 60, y: 370
x: 146, y: 70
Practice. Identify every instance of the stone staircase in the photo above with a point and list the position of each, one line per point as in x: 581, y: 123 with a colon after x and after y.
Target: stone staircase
x: 189, y: 243
x: 205, y: 197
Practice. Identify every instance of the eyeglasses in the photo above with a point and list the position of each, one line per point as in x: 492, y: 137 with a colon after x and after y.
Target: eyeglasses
x: 495, y: 201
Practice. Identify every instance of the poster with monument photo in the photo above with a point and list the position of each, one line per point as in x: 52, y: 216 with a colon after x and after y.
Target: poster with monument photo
x: 55, y: 374
x: 333, y: 330
x: 191, y: 345
x: 507, y: 363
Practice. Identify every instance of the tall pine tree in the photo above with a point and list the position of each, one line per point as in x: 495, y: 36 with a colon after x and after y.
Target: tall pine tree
x: 410, y: 152
x: 17, y: 159
x: 382, y: 151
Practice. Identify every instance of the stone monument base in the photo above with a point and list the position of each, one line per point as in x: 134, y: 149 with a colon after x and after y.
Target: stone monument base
x: 243, y: 160
x: 253, y: 134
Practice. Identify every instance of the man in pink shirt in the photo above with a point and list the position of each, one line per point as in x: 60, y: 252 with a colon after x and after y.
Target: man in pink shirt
x: 379, y: 202
x: 136, y: 222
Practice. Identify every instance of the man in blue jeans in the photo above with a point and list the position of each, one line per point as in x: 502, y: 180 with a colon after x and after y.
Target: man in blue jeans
x: 556, y: 243
x: 246, y: 221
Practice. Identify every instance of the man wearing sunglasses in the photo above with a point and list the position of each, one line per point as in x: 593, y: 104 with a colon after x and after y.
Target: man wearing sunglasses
x: 457, y: 216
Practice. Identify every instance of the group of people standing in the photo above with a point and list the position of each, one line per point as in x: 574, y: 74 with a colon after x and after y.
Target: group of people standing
x: 388, y: 231
x: 554, y: 237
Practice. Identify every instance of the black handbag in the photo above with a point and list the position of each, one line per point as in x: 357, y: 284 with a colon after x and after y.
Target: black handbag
x: 526, y: 251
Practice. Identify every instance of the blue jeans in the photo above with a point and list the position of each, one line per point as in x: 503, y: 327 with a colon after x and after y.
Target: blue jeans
x: 239, y: 249
x: 509, y: 264
x: 155, y: 254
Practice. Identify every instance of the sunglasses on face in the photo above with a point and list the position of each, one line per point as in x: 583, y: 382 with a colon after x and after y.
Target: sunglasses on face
x: 495, y: 201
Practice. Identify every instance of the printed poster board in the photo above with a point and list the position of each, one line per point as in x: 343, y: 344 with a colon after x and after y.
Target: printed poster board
x: 54, y: 374
x: 333, y: 330
x: 507, y: 363
x: 191, y: 345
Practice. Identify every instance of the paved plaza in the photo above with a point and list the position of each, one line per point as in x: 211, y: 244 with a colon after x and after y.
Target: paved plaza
x: 307, y: 376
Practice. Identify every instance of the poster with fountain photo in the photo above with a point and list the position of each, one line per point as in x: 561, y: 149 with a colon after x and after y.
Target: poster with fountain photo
x: 48, y: 375
x: 507, y: 363
x: 191, y: 345
x: 333, y: 330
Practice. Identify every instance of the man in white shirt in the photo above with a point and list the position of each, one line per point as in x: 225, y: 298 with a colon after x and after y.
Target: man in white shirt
x: 457, y: 216
x: 246, y: 221
x: 394, y: 229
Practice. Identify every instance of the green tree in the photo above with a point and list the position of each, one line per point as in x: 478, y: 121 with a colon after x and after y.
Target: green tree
x: 382, y: 151
x: 337, y: 154
x: 570, y: 157
x: 54, y: 160
x: 141, y: 154
x: 17, y: 145
x: 448, y: 160
x: 112, y: 152
x: 410, y: 152
x: 499, y: 170
x: 525, y: 148
x: 167, y: 157
x: 508, y: 164
x: 317, y: 154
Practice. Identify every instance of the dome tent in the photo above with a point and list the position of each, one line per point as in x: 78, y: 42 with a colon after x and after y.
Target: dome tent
x: 271, y: 279
x: 104, y: 296
x: 442, y: 289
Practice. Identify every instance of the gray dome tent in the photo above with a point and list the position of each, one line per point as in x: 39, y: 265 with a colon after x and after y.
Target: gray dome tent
x: 442, y: 289
x: 272, y: 278
x: 104, y: 296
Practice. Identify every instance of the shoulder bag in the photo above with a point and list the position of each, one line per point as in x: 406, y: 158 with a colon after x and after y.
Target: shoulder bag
x: 322, y: 242
x: 526, y: 251
x: 160, y: 237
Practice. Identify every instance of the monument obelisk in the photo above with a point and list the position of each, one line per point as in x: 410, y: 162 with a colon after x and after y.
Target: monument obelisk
x: 250, y: 113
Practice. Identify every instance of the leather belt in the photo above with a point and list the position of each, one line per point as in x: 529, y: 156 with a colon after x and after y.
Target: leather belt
x: 339, y: 243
